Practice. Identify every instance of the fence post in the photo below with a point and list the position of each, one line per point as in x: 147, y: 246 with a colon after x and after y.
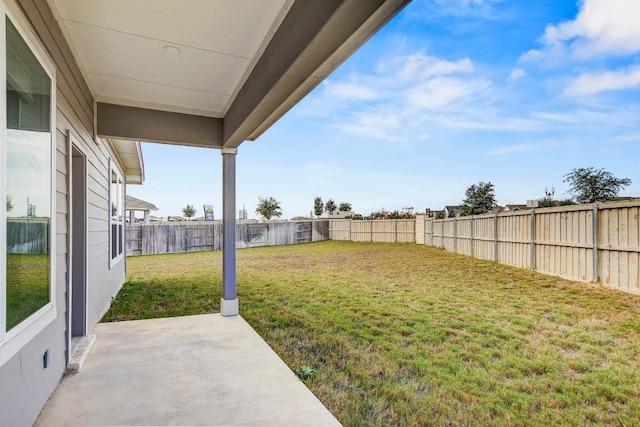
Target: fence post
x: 596, y: 241
x: 143, y: 240
x: 532, y: 251
x: 495, y: 237
x: 424, y: 230
x: 455, y: 235
x: 371, y: 231
x: 350, y: 231
x: 395, y: 231
x: 471, y: 225
x: 442, y: 234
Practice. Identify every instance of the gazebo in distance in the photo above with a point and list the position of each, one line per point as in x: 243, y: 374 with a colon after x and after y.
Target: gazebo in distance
x: 133, y: 205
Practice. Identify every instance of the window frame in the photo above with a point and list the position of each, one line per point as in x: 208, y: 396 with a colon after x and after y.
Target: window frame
x: 13, y: 340
x: 119, y: 197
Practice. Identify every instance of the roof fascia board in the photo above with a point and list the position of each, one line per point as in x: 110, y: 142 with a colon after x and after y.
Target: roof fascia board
x: 143, y: 124
x: 313, y: 40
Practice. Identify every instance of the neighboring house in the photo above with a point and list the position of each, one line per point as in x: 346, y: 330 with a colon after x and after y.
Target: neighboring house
x: 515, y: 208
x: 134, y: 205
x: 451, y: 211
x: 83, y: 83
x: 336, y: 215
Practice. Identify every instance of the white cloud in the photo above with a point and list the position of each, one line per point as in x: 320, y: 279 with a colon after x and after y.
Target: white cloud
x: 602, y: 28
x: 466, y: 2
x: 441, y: 92
x: 379, y: 124
x: 349, y: 91
x: 475, y: 9
x: 490, y: 121
x: 593, y: 83
x: 394, y: 99
x: 419, y: 65
x: 630, y: 137
x: 605, y: 117
x: 517, y: 74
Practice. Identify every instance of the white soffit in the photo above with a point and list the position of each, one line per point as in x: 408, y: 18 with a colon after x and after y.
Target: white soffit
x: 120, y: 47
x: 129, y: 153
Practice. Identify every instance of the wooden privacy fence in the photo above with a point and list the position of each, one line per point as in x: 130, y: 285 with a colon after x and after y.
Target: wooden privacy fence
x: 598, y: 243
x: 201, y: 236
x: 28, y: 236
x: 393, y: 230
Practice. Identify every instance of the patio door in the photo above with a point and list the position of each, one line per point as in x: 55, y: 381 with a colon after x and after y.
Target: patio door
x: 77, y: 291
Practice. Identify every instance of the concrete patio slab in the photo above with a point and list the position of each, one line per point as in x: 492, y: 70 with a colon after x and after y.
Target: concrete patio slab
x: 193, y: 370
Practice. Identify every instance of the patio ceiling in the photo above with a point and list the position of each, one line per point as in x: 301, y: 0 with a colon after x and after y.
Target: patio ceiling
x: 209, y: 73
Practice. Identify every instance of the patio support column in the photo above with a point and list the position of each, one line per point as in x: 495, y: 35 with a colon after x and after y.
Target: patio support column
x: 229, y: 300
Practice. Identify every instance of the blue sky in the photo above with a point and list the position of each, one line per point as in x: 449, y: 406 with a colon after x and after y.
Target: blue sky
x: 449, y: 93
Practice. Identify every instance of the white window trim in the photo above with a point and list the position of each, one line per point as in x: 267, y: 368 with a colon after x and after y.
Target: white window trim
x: 114, y: 169
x: 12, y: 341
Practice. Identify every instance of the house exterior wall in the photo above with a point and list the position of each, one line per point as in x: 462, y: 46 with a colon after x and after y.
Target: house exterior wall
x: 25, y: 383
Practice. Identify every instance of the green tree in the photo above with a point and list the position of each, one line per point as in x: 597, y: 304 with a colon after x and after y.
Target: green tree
x: 548, y: 202
x: 9, y: 203
x: 269, y: 208
x: 393, y: 215
x: 378, y: 215
x: 344, y: 207
x: 439, y: 215
x: 318, y: 206
x: 479, y: 198
x: 330, y: 206
x: 590, y: 185
x: 189, y: 211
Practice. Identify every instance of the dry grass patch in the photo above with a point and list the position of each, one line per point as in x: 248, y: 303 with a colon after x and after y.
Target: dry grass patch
x: 411, y: 335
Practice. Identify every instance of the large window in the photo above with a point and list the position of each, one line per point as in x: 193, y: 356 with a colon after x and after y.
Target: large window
x: 26, y: 162
x: 116, y: 201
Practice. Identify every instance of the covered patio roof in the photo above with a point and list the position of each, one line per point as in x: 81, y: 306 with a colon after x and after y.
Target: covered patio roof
x: 209, y: 73
x: 206, y: 73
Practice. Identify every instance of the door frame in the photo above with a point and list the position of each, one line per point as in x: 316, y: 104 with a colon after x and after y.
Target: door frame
x: 75, y: 149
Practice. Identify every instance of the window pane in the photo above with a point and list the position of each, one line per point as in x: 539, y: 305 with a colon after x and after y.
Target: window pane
x: 113, y: 194
x: 28, y: 174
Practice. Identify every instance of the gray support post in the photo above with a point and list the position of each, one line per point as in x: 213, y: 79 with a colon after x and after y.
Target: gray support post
x: 495, y: 237
x: 532, y: 250
x: 596, y: 241
x: 229, y: 300
x: 471, y: 225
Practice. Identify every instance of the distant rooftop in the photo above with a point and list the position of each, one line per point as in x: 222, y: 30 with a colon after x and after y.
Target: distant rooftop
x: 134, y: 204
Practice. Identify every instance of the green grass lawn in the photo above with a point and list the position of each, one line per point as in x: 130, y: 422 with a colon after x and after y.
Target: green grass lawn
x: 404, y: 334
x: 27, y: 286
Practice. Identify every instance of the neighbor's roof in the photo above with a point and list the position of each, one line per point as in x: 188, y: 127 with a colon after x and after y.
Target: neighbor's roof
x: 209, y: 73
x: 134, y: 204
